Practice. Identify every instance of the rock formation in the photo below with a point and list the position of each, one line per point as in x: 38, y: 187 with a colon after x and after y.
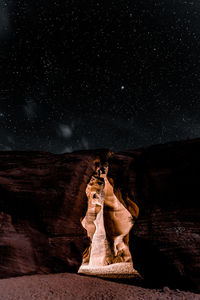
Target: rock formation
x: 108, y: 224
x: 43, y: 202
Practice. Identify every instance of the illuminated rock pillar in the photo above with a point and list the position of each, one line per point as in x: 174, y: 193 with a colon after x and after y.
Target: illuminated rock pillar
x: 108, y: 224
x: 99, y: 247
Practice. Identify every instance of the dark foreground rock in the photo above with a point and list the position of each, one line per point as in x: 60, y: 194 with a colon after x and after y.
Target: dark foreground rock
x: 164, y: 181
x: 42, y: 200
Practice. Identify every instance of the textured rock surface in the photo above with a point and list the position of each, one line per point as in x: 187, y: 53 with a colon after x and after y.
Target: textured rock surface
x: 42, y: 199
x: 165, y: 182
x: 108, y: 224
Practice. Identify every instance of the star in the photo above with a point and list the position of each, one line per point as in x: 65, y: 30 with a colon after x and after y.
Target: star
x: 102, y: 77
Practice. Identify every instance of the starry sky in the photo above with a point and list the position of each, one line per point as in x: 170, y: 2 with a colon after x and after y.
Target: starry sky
x: 98, y: 74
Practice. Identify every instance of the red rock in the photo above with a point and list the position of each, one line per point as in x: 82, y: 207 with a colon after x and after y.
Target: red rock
x: 43, y: 199
x: 164, y: 181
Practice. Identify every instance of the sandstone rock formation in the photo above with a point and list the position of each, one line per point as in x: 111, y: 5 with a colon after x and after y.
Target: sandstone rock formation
x: 108, y: 224
x: 164, y: 182
x: 43, y: 201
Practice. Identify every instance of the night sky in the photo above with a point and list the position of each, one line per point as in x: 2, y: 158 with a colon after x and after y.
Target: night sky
x: 98, y: 74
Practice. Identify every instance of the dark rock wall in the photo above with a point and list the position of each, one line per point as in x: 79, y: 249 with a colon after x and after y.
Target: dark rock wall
x: 42, y: 199
x: 165, y: 182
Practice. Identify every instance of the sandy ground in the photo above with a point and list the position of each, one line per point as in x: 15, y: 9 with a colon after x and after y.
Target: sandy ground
x: 67, y: 286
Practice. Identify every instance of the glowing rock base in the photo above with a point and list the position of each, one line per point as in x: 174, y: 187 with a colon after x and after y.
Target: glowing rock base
x: 117, y: 270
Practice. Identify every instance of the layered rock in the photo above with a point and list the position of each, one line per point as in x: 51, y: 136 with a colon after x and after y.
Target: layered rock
x: 108, y: 224
x: 98, y: 251
x: 164, y: 181
x: 43, y: 201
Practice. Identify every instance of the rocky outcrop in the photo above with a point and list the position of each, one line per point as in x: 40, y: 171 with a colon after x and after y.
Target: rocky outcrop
x: 108, y: 224
x: 164, y: 181
x: 43, y: 201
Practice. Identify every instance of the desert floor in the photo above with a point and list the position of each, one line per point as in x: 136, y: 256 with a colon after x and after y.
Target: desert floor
x: 67, y: 286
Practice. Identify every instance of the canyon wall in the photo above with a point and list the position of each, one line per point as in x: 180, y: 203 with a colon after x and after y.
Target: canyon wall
x: 164, y: 181
x: 43, y: 200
